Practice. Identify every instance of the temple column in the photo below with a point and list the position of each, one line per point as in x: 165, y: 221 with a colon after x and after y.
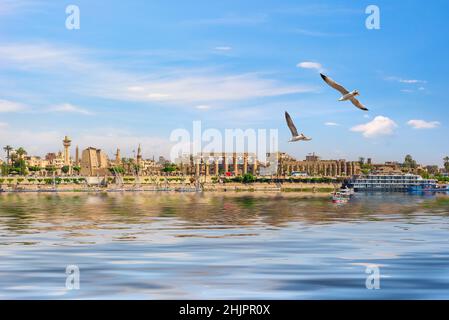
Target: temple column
x: 236, y: 165
x: 225, y: 163
x: 207, y: 164
x: 197, y: 168
x: 255, y: 167
x: 245, y: 163
x: 217, y: 168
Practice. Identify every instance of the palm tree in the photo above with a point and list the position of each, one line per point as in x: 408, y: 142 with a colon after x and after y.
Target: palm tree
x: 7, y: 149
x: 21, y: 152
x: 446, y: 163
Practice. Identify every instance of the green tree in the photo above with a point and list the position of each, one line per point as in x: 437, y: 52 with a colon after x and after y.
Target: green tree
x: 50, y: 169
x: 77, y: 169
x: 248, y: 178
x: 20, y: 167
x: 433, y: 170
x: 409, y: 163
x: 5, y: 168
x: 8, y: 150
x: 446, y: 163
x: 117, y: 169
x: 21, y: 152
x: 169, y: 167
x: 65, y: 169
x: 34, y: 168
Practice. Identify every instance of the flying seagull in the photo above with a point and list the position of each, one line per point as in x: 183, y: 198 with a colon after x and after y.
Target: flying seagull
x: 346, y: 95
x: 295, y: 135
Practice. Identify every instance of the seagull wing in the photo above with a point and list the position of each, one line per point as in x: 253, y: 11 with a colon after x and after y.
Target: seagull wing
x: 358, y: 104
x: 334, y: 85
x: 291, y: 125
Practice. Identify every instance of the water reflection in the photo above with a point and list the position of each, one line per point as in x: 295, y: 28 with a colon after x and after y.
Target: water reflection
x: 231, y: 245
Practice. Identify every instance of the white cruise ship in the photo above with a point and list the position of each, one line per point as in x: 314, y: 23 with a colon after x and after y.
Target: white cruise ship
x: 389, y: 182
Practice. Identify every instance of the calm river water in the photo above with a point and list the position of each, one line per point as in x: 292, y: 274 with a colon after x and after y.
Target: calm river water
x: 223, y: 246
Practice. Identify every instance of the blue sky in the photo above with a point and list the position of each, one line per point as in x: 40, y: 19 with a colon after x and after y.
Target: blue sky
x: 137, y: 70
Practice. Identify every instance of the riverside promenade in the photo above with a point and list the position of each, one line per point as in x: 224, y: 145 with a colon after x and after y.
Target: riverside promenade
x: 164, y: 183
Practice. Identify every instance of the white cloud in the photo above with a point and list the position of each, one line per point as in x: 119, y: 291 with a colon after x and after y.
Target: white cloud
x: 202, y: 107
x: 223, y: 48
x: 10, y: 106
x: 331, y: 124
x: 186, y: 88
x: 411, y: 81
x: 40, y: 142
x: 229, y: 20
x: 69, y: 108
x: 422, y: 124
x: 13, y: 6
x: 407, y: 81
x: 43, y: 57
x: 379, y: 126
x: 109, y: 139
x: 406, y: 91
x: 310, y: 65
x: 315, y: 33
x: 161, y: 85
x: 136, y: 89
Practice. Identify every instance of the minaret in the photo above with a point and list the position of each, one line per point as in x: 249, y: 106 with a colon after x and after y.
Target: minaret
x: 66, y: 142
x: 118, y: 160
x: 77, y: 156
x: 139, y: 155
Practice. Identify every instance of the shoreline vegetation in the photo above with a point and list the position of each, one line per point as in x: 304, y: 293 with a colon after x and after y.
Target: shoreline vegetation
x: 170, y: 183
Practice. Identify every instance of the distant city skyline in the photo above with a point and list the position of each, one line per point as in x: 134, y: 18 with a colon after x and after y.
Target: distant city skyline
x: 135, y: 71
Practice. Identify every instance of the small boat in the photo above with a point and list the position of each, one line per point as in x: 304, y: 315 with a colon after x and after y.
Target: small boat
x: 339, y: 197
x: 347, y: 191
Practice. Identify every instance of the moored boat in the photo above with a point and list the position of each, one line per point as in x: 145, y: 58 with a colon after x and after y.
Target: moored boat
x: 429, y: 188
x: 339, y: 197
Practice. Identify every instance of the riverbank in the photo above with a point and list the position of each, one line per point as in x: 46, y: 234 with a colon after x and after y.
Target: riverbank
x: 204, y: 187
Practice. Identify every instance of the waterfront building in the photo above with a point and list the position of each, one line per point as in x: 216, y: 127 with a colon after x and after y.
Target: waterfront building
x: 94, y: 162
x: 55, y: 159
x: 139, y: 156
x: 35, y: 161
x: 150, y: 167
x: 66, y: 143
x: 218, y: 163
x: 77, y: 156
x: 387, y: 167
x: 389, y: 182
x: 315, y: 166
x: 118, y: 159
x: 277, y: 163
